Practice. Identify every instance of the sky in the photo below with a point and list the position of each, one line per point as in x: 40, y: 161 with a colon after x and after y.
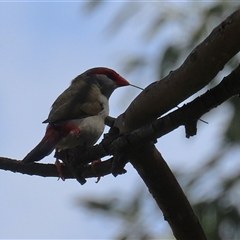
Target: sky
x: 43, y: 46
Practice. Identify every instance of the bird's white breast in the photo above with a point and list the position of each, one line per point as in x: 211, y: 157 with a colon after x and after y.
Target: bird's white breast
x: 91, y: 128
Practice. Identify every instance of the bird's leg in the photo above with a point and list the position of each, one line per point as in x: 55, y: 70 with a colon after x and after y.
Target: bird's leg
x: 59, y: 169
x: 59, y: 166
x: 66, y: 128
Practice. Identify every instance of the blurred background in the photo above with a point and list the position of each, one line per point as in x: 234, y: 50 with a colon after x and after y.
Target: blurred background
x: 43, y: 46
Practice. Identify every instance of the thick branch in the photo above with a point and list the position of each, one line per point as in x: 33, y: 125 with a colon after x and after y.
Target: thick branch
x: 168, y: 194
x: 200, y: 67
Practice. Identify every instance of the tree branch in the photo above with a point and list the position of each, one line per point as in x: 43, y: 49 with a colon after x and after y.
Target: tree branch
x: 50, y: 170
x: 199, y: 68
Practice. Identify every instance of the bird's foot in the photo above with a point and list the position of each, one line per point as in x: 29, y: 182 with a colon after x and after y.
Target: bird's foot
x: 59, y: 169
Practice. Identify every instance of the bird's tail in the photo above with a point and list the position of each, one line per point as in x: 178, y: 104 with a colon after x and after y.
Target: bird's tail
x: 45, y: 147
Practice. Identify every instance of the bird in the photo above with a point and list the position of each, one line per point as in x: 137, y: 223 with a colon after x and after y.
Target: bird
x: 77, y: 115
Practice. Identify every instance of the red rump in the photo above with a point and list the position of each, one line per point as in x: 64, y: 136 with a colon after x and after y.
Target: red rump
x: 55, y: 132
x: 69, y: 127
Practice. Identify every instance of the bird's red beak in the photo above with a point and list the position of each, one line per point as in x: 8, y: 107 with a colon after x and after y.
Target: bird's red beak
x: 122, y: 81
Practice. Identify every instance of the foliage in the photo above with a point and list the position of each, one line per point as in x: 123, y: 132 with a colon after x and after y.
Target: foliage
x: 132, y: 211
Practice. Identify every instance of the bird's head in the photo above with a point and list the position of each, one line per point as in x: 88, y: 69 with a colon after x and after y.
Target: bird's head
x: 106, y: 79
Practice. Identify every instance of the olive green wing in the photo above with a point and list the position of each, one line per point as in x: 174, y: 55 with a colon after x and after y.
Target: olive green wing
x: 77, y: 101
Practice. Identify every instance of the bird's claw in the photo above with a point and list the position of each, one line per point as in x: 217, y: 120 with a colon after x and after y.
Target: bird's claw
x: 59, y: 169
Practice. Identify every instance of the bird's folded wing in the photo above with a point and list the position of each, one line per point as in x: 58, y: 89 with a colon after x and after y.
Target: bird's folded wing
x: 77, y: 101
